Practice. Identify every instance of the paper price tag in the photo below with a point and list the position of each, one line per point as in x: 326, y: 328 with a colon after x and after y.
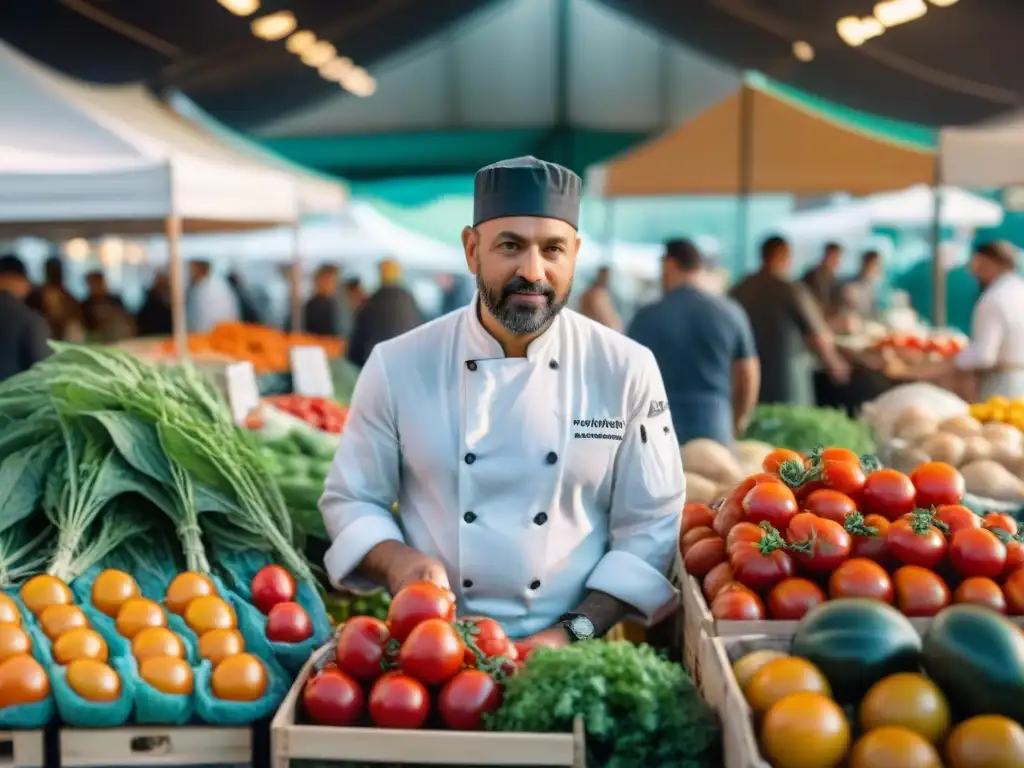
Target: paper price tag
x: 243, y: 393
x: 311, y: 373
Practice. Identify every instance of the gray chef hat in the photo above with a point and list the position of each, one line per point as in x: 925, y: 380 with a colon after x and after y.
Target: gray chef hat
x: 526, y: 186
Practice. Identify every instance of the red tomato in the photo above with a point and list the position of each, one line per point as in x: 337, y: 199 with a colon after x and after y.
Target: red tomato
x: 1000, y: 520
x: 1014, y: 553
x: 694, y: 535
x: 916, y: 542
x: 272, y: 585
x: 523, y: 650
x: 819, y: 545
x: 956, y: 517
x: 432, y: 653
x: 836, y: 453
x: 486, y: 634
x: 738, y: 604
x: 360, y: 650
x: 978, y: 590
x: 1013, y: 589
x: 703, y: 556
x: 771, y: 503
x: 695, y: 516
x: 761, y: 566
x: 333, y: 698
x: 937, y: 483
x: 919, y: 591
x: 466, y: 697
x: 872, y: 547
x: 844, y: 476
x: 830, y: 504
x: 772, y: 461
x: 398, y: 701
x: 888, y: 493
x: 790, y: 599
x: 743, y: 532
x: 717, y: 578
x: 731, y: 511
x: 860, y: 577
x: 977, y: 552
x: 418, y: 602
x: 288, y: 623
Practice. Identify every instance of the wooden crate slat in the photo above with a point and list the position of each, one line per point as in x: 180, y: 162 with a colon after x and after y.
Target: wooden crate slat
x: 157, y: 745
x: 21, y: 749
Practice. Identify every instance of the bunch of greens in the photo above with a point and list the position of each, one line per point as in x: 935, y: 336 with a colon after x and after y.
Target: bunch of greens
x: 800, y: 428
x: 637, y: 707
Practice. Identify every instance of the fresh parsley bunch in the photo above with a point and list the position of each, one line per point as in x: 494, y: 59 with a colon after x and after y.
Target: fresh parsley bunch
x: 639, y: 709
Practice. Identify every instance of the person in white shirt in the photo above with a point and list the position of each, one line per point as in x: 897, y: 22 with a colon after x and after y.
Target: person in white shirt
x: 531, y: 450
x: 211, y: 300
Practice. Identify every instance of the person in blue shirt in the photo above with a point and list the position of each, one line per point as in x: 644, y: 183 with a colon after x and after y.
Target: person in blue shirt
x: 705, y: 349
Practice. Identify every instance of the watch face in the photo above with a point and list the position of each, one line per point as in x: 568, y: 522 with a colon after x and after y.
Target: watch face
x: 582, y: 627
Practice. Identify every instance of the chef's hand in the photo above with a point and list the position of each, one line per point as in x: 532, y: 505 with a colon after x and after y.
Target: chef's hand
x: 414, y: 566
x: 553, y: 637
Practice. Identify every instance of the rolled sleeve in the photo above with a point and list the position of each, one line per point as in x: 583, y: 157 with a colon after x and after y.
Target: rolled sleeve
x: 647, y: 500
x: 986, y: 338
x: 364, y: 480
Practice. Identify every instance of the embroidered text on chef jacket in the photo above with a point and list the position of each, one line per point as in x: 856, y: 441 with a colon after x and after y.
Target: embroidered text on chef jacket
x: 996, y: 348
x: 531, y: 479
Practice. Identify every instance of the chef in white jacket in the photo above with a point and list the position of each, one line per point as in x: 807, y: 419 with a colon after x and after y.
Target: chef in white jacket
x: 530, y: 449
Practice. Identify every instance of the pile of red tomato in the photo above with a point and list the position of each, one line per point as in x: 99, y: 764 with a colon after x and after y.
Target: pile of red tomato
x: 320, y: 413
x: 420, y: 666
x: 937, y: 345
x: 831, y: 524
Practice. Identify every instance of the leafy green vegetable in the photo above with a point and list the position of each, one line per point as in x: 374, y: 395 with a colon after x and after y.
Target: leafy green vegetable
x: 638, y: 708
x: 800, y: 428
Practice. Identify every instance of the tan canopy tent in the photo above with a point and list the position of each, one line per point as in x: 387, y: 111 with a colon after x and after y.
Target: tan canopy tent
x: 760, y: 140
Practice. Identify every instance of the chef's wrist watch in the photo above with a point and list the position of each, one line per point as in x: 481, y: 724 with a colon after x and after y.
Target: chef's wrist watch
x: 577, y: 626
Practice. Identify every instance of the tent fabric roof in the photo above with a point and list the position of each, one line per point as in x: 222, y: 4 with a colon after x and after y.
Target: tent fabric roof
x: 85, y: 159
x: 987, y: 155
x: 795, y: 148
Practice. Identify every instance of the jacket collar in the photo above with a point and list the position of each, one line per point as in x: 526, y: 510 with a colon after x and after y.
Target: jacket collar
x: 478, y: 344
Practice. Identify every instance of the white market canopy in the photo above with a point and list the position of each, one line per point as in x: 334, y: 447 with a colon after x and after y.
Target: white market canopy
x: 78, y: 159
x: 990, y: 154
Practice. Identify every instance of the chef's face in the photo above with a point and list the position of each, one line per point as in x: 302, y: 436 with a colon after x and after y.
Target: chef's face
x: 524, y: 267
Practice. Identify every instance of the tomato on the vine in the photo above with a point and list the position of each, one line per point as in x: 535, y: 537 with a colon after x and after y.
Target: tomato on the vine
x: 360, y: 650
x: 772, y: 503
x: 874, y: 547
x: 888, y: 493
x: 749, y: 533
x: 956, y: 517
x: 695, y: 516
x: 818, y: 544
x: 466, y: 697
x: 919, y: 591
x: 703, y: 556
x: 1013, y: 589
x: 486, y: 634
x: 916, y: 541
x: 844, y: 476
x: 937, y: 483
x: 737, y: 603
x: 398, y: 701
x: 763, y: 565
x: 860, y: 577
x: 1000, y: 520
x: 791, y: 598
x: 978, y: 590
x: 416, y: 603
x: 977, y: 552
x: 830, y: 504
x: 777, y: 457
x: 433, y: 652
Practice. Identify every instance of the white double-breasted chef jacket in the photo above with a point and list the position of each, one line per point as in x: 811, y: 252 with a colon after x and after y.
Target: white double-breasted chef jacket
x: 533, y: 480
x: 996, y: 348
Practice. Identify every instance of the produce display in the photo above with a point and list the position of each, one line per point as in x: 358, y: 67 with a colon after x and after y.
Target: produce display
x: 318, y: 412
x: 1000, y: 410
x: 266, y: 348
x: 914, y: 347
x: 832, y: 525
x: 859, y: 687
x: 798, y: 427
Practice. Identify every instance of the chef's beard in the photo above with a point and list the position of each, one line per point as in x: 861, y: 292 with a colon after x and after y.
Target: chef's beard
x: 522, y: 319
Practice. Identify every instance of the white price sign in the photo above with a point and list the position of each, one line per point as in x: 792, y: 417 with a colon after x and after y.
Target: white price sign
x: 311, y: 373
x: 243, y: 394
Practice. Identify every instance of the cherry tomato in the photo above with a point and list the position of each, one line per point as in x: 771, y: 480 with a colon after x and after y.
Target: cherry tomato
x: 791, y: 598
x: 830, y: 504
x: 772, y: 461
x: 937, y: 483
x: 873, y: 547
x: 819, y: 545
x: 717, y: 578
x: 694, y: 535
x: 836, y: 453
x: 888, y: 493
x: 360, y: 650
x: 977, y: 552
x: 703, y: 556
x: 695, y: 516
x: 432, y: 653
x: 761, y: 566
x: 418, y: 602
x: 333, y: 698
x: 731, y: 511
x: 860, y: 577
x: 986, y: 740
x: 487, y: 635
x: 844, y: 476
x: 772, y: 503
x: 288, y: 623
x: 1013, y: 589
x: 916, y: 542
x: 466, y: 697
x: 978, y: 590
x: 892, y: 745
x: 1000, y: 520
x: 737, y: 604
x: 398, y: 701
x: 919, y: 591
x: 272, y: 585
x: 956, y: 517
x: 743, y: 532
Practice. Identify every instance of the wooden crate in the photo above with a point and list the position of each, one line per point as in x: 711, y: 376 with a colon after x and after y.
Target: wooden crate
x: 293, y: 741
x: 21, y: 749
x: 155, y: 745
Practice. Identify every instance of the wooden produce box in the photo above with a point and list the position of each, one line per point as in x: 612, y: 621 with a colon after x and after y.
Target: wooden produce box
x: 293, y: 741
x: 155, y: 745
x: 21, y: 749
